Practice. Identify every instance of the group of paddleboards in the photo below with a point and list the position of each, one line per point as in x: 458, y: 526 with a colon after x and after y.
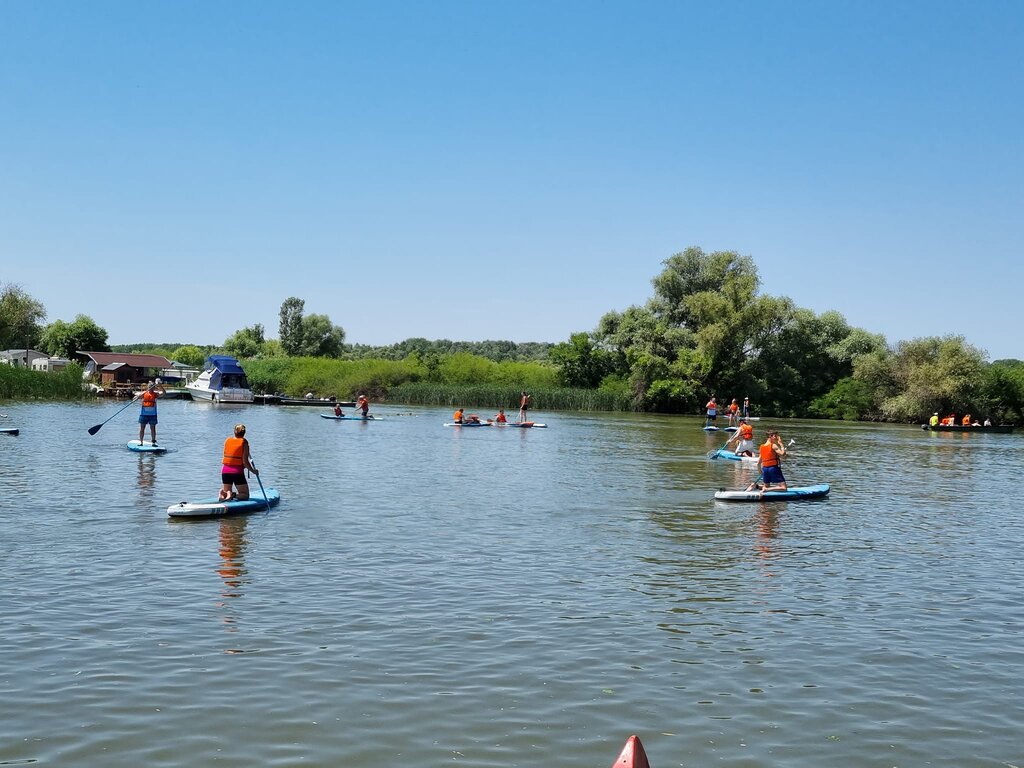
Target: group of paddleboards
x: 770, y: 485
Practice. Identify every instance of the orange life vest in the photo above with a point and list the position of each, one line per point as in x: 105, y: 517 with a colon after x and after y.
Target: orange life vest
x: 500, y: 418
x: 234, y: 450
x: 768, y: 457
x: 733, y: 408
x: 966, y: 421
x: 149, y: 399
x: 458, y: 415
x: 746, y: 432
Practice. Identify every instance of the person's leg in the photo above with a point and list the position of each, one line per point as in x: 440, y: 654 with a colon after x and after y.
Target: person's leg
x: 242, y: 488
x: 225, y: 492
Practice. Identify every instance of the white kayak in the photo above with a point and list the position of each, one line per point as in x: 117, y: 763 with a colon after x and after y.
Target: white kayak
x: 793, y: 493
x: 215, y: 508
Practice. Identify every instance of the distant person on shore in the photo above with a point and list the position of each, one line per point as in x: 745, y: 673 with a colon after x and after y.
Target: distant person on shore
x: 934, y: 420
x: 500, y: 417
x: 524, y: 405
x: 363, y: 405
x: 149, y: 396
x: 712, y: 409
x: 235, y: 462
x: 769, y: 462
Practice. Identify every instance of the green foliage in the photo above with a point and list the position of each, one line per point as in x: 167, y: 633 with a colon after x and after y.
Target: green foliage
x: 189, y: 354
x: 934, y: 374
x: 24, y: 383
x: 295, y: 376
x: 849, y: 400
x: 290, y: 327
x: 489, y: 396
x: 581, y: 362
x: 60, y: 339
x: 21, y: 318
x: 498, y: 351
x: 247, y: 342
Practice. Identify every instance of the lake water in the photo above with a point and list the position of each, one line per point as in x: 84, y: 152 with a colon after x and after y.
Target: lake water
x: 427, y: 595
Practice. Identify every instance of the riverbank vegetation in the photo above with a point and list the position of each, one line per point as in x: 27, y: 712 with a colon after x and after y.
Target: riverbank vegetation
x: 706, y: 330
x: 21, y: 383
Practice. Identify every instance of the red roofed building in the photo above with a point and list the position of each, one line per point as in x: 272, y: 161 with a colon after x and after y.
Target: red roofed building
x: 123, y: 367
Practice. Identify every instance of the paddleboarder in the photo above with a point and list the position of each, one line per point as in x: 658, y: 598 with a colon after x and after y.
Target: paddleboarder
x: 235, y: 462
x: 362, y: 404
x: 744, y: 439
x: 733, y: 410
x: 769, y: 462
x: 524, y: 405
x: 712, y: 408
x: 149, y: 396
x: 745, y: 411
x: 500, y: 417
x: 337, y: 410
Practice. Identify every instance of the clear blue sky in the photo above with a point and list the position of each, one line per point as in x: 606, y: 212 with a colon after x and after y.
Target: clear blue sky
x: 475, y: 170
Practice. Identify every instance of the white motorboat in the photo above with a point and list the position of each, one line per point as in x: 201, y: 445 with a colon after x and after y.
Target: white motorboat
x: 222, y: 381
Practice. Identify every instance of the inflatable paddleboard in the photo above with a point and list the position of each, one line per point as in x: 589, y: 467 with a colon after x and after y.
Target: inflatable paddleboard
x: 349, y: 418
x: 791, y: 494
x: 730, y: 429
x: 145, y: 447
x: 214, y: 508
x: 467, y: 424
x: 8, y: 431
x: 710, y: 429
x: 521, y: 424
x: 721, y: 453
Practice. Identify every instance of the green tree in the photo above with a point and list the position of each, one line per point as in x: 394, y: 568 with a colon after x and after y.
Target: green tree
x: 190, y: 355
x: 581, y: 362
x: 62, y: 339
x: 320, y: 337
x: 246, y: 342
x: 290, y: 330
x: 21, y: 318
x: 935, y: 374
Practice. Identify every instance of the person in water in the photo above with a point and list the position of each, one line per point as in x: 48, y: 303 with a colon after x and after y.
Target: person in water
x: 149, y: 396
x: 363, y: 405
x: 500, y: 417
x: 712, y: 408
x: 524, y: 405
x: 744, y: 439
x: 235, y: 462
x: 769, y: 462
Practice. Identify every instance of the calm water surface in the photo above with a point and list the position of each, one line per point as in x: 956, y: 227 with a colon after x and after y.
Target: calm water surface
x: 426, y: 595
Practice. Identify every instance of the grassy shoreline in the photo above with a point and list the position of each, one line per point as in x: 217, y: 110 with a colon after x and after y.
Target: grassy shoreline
x: 18, y: 383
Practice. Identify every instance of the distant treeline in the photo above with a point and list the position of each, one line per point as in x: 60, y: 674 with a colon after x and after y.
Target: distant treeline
x: 706, y: 330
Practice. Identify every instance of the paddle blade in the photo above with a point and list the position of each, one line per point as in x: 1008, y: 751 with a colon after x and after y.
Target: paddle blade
x: 94, y: 430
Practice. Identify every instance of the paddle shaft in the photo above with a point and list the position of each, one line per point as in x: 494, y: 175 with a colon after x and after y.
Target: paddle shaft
x: 94, y: 430
x: 258, y: 480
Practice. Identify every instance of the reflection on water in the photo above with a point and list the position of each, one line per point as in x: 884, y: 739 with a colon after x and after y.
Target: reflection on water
x: 494, y: 597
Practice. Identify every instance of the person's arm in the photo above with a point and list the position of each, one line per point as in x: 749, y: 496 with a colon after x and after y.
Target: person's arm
x: 245, y: 458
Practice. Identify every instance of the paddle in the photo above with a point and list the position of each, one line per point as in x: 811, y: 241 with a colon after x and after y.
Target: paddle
x: 258, y: 480
x: 714, y: 454
x: 94, y: 430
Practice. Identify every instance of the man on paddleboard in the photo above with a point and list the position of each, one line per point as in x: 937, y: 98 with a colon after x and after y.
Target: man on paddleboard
x: 770, y: 463
x: 712, y: 408
x: 746, y: 408
x: 362, y: 404
x: 147, y: 415
x: 524, y: 406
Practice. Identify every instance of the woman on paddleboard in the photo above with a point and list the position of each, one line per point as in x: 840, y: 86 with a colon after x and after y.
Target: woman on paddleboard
x: 744, y: 439
x: 236, y: 461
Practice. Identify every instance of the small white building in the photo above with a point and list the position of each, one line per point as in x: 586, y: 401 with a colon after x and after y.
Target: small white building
x: 50, y: 364
x: 22, y: 358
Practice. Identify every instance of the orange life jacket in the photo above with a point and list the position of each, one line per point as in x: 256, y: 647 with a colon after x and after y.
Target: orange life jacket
x: 458, y: 415
x: 733, y: 408
x: 149, y: 399
x: 966, y: 421
x: 500, y: 418
x: 746, y: 432
x: 768, y: 457
x: 234, y: 450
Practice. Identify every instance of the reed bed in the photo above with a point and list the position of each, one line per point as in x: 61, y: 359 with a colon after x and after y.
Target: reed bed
x: 25, y: 384
x: 498, y: 396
